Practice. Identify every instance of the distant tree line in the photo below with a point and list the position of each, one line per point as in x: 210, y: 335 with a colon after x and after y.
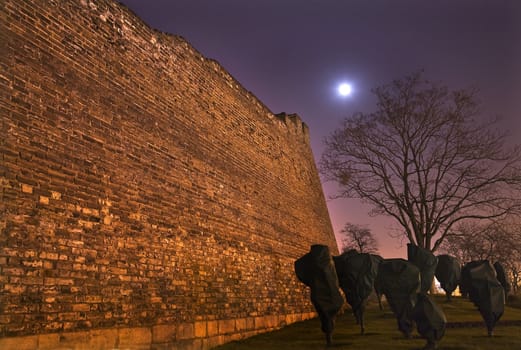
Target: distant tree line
x: 496, y: 242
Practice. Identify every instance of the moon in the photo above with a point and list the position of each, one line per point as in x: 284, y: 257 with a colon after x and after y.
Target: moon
x: 345, y: 89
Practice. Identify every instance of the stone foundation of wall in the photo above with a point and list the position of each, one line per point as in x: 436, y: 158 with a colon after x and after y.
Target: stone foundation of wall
x: 200, y: 335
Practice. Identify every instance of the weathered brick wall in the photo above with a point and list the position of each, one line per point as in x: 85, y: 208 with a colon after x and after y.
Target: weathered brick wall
x: 146, y: 196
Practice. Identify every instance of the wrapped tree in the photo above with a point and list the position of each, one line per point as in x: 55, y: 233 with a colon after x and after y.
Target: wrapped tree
x: 356, y: 275
x: 448, y: 273
x: 400, y: 282
x: 430, y: 321
x: 478, y: 280
x: 426, y: 262
x: 317, y: 271
x: 502, y: 277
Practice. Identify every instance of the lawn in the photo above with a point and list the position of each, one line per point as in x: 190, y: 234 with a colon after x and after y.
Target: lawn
x: 382, y: 332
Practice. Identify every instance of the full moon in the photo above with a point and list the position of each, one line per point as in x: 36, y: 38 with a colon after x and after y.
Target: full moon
x: 344, y: 89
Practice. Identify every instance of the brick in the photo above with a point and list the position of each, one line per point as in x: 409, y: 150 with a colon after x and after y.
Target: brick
x: 241, y: 324
x: 185, y: 331
x: 19, y: 343
x: 5, y: 319
x: 49, y: 256
x: 93, y: 299
x: 164, y: 334
x: 272, y: 321
x: 212, y: 328
x: 58, y: 281
x: 14, y: 271
x: 56, y: 195
x: 226, y: 326
x: 215, y: 341
x: 200, y: 330
x: 131, y: 337
x: 74, y: 339
x: 81, y: 307
x: 103, y: 339
x: 26, y: 188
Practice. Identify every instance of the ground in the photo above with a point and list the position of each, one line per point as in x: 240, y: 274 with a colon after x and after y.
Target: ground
x: 465, y: 331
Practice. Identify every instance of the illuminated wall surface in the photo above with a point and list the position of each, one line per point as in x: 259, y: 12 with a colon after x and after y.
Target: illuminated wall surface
x: 147, y: 198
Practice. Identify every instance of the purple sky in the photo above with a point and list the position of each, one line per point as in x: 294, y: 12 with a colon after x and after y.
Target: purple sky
x: 292, y: 54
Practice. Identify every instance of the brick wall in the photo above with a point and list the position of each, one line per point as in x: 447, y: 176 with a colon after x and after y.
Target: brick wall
x: 146, y: 196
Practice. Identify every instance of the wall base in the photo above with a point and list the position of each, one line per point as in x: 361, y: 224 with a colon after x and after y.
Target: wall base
x: 186, y: 336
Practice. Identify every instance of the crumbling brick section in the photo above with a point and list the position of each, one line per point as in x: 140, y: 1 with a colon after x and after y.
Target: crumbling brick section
x: 147, y: 200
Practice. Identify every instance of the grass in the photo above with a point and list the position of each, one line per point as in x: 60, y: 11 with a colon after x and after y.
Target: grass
x: 382, y: 332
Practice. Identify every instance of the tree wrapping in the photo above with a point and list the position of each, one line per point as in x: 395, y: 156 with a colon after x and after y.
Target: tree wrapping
x: 478, y: 279
x: 317, y: 271
x: 426, y: 262
x: 356, y: 276
x: 448, y: 273
x: 400, y: 282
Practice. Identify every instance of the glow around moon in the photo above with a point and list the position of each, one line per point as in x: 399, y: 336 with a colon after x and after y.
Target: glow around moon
x: 345, y: 89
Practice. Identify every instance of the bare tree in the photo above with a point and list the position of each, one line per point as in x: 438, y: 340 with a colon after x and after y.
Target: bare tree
x: 495, y: 242
x: 424, y: 159
x: 359, y: 238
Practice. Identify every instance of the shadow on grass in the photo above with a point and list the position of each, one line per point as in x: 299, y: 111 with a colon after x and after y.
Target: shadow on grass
x: 369, y: 334
x: 339, y: 344
x: 382, y: 333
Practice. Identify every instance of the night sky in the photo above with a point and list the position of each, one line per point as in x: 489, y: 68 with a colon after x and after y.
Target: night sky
x: 293, y: 54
